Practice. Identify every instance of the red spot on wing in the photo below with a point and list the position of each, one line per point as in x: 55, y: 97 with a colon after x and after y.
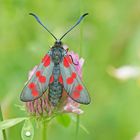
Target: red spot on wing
x: 31, y: 85
x: 35, y: 93
x: 45, y: 58
x: 60, y: 79
x: 42, y: 79
x: 47, y: 61
x: 79, y: 87
x: 51, y: 79
x: 38, y: 73
x: 76, y: 95
x: 69, y: 59
x: 65, y: 62
x: 73, y: 75
x: 69, y: 80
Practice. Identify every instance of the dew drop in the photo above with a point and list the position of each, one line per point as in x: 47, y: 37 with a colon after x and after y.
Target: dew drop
x: 27, y: 133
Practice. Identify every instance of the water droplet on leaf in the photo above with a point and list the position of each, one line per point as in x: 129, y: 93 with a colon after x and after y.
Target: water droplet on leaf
x: 27, y: 133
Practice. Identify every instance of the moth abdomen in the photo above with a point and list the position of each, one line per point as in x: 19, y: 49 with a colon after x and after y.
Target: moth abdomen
x: 55, y: 93
x: 55, y: 87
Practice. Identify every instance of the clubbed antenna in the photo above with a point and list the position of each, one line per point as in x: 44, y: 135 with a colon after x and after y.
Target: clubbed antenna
x: 38, y: 20
x: 79, y: 20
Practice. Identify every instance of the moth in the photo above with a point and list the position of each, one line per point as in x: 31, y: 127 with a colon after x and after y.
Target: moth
x: 56, y: 73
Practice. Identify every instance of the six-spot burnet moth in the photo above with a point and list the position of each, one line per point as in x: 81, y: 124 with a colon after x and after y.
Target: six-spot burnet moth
x: 56, y: 73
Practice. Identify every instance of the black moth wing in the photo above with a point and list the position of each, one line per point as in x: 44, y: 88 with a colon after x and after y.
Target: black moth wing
x: 39, y: 81
x: 72, y: 82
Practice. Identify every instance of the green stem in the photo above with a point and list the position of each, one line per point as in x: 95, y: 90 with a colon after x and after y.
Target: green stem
x: 81, y: 28
x: 3, y: 131
x: 77, y: 126
x: 44, y: 130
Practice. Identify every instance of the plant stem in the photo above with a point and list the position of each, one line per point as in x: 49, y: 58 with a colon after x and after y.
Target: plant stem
x: 81, y: 28
x: 1, y: 119
x: 44, y: 130
x: 77, y: 126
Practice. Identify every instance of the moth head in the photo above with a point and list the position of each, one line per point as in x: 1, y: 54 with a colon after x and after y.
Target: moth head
x: 58, y: 43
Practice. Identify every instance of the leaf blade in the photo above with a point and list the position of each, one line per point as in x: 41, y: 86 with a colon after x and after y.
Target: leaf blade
x: 11, y: 122
x: 64, y: 120
x: 27, y: 132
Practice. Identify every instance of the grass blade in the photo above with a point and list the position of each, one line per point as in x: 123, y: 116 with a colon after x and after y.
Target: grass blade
x: 11, y: 122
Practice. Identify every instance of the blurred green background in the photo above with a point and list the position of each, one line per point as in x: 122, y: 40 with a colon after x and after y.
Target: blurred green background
x: 109, y: 36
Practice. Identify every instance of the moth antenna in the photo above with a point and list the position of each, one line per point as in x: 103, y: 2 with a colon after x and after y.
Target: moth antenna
x: 79, y: 20
x: 38, y: 20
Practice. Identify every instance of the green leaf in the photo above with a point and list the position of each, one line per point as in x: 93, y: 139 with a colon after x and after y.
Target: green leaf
x: 27, y: 132
x: 1, y: 135
x: 64, y: 120
x: 2, y: 132
x: 11, y: 122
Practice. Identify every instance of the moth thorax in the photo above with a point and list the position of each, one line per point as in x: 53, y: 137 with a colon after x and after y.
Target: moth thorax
x: 56, y: 55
